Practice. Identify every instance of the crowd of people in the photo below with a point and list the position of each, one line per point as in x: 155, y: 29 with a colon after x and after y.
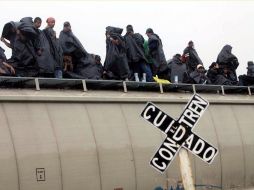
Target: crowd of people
x: 40, y: 53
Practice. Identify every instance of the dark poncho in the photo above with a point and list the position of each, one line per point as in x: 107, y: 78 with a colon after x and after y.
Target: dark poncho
x: 199, y: 78
x: 51, y: 57
x: 134, y: 47
x: 83, y: 62
x: 23, y: 56
x: 216, y: 77
x: 116, y: 63
x: 228, y: 60
x: 9, y: 32
x: 157, y: 54
x: 193, y: 59
x: 177, y: 68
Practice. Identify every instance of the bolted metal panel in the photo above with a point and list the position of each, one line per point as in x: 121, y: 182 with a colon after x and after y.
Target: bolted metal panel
x: 230, y: 146
x: 35, y: 146
x: 77, y: 147
x: 244, y: 117
x: 9, y: 178
x: 104, y: 146
x: 114, y: 146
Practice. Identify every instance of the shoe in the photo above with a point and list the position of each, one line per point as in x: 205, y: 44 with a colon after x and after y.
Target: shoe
x: 144, y: 77
x: 136, y: 77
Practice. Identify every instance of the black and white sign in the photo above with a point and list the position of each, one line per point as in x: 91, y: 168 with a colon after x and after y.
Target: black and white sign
x: 179, y: 133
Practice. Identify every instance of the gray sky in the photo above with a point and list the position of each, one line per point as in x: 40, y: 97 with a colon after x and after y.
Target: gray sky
x: 210, y: 24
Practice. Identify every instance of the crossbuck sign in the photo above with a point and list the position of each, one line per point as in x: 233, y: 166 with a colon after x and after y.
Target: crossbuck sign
x: 179, y: 133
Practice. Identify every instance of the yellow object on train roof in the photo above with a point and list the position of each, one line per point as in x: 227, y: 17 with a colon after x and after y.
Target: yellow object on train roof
x: 162, y: 81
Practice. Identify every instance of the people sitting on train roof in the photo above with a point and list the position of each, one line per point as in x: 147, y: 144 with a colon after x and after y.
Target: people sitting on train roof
x: 218, y: 76
x: 197, y: 77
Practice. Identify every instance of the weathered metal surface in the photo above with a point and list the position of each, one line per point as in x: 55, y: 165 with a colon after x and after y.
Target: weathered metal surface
x: 97, y: 140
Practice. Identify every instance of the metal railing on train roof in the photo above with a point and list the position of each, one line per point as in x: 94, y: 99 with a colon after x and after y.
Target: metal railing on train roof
x: 125, y: 86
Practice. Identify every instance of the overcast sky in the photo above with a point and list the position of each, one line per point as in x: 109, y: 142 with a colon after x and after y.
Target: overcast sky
x: 210, y: 24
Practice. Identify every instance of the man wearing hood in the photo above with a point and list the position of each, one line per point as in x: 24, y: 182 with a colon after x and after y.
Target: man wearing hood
x: 69, y: 42
x: 136, y: 55
x: 23, y: 57
x: 116, y: 62
x: 229, y: 61
x: 191, y: 57
x: 9, y: 34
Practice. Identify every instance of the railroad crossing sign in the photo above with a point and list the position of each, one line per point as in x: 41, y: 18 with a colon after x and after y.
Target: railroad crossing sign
x: 179, y: 133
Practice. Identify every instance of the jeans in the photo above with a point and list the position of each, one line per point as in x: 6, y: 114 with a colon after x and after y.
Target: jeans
x: 146, y: 69
x: 142, y: 67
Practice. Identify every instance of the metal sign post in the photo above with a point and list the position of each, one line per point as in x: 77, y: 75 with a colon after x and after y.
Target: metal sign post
x: 185, y: 168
